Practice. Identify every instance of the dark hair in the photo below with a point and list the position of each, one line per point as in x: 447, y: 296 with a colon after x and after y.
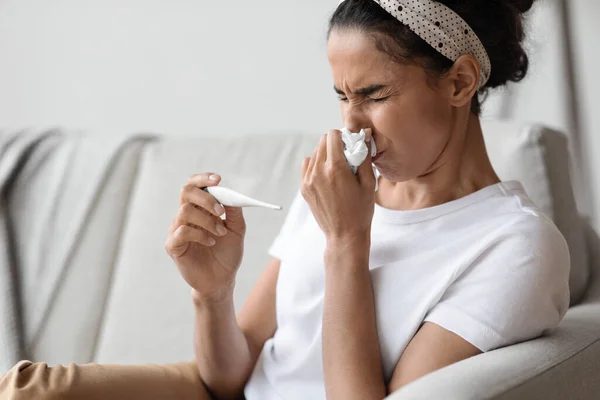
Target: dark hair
x: 498, y: 23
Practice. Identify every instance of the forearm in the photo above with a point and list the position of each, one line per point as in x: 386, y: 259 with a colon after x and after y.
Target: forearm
x: 351, y: 355
x: 224, y: 357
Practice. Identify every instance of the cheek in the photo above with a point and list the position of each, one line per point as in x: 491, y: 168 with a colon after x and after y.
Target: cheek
x: 414, y: 135
x: 412, y: 123
x: 429, y: 110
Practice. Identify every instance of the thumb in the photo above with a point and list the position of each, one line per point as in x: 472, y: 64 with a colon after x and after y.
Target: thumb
x: 235, y: 219
x: 366, y: 174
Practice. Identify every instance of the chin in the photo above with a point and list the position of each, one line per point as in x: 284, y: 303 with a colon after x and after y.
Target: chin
x: 390, y: 174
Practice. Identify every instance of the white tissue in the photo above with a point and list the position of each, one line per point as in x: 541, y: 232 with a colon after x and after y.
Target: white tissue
x: 355, y: 148
x: 356, y: 151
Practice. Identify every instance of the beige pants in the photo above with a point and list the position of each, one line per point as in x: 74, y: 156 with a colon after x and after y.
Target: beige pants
x: 30, y: 381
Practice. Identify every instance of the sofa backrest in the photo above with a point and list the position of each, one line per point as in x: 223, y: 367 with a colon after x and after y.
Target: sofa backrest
x: 122, y: 299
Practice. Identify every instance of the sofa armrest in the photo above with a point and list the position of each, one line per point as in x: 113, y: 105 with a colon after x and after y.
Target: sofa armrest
x: 563, y: 364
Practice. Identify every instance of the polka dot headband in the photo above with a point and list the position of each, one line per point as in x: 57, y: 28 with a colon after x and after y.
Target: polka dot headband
x: 442, y: 29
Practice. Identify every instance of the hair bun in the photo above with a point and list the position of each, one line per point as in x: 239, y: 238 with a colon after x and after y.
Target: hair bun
x: 522, y: 5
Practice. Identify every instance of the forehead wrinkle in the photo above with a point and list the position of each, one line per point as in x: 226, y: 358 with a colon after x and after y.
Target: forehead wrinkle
x: 358, y: 64
x: 351, y: 85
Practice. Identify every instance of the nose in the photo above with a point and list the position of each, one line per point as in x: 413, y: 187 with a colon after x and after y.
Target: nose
x: 357, y: 128
x: 355, y: 121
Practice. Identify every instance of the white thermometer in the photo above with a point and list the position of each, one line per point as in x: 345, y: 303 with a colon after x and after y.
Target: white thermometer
x: 231, y: 198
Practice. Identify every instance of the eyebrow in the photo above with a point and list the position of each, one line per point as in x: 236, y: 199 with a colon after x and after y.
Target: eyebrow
x: 362, y: 91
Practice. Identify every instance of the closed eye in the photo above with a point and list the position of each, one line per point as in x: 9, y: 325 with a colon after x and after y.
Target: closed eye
x: 380, y: 100
x: 363, y: 92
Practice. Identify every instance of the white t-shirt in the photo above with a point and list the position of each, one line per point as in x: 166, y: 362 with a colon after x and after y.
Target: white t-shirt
x: 489, y: 267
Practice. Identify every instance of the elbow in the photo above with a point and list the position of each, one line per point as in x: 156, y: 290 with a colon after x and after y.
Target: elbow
x: 225, y: 386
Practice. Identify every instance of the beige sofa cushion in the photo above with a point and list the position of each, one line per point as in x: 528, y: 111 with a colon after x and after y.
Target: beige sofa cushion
x: 71, y: 328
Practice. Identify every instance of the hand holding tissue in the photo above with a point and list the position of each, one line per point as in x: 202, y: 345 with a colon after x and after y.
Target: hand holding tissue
x: 338, y: 185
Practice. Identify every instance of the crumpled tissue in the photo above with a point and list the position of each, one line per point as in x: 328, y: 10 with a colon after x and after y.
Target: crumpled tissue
x: 356, y: 150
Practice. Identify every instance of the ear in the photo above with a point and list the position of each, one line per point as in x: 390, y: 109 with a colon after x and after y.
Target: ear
x: 463, y: 80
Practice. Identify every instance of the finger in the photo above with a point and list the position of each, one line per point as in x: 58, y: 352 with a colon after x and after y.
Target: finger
x: 321, y: 156
x: 305, y: 166
x: 234, y: 220
x: 313, y: 157
x: 365, y: 173
x: 335, y: 148
x: 184, y: 235
x: 205, y: 179
x: 191, y: 193
x: 189, y: 214
x: 369, y: 135
x: 312, y: 162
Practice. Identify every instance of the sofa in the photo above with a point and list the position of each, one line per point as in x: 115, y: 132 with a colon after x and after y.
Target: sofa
x: 114, y: 296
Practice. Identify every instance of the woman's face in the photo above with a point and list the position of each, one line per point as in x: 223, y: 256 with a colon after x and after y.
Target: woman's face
x: 412, y: 121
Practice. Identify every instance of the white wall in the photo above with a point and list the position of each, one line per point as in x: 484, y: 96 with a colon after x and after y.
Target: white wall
x: 541, y: 95
x: 189, y: 66
x: 585, y: 20
x: 177, y: 66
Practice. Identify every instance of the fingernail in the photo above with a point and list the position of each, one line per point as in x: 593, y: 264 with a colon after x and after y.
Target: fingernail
x: 211, y: 241
x: 213, y: 178
x: 219, y: 209
x: 221, y: 230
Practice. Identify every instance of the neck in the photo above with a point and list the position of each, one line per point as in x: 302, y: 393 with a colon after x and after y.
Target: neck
x: 466, y: 169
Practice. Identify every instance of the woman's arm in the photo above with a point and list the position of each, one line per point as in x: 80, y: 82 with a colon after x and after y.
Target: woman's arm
x: 226, y: 349
x: 351, y: 355
x: 343, y: 206
x: 432, y: 348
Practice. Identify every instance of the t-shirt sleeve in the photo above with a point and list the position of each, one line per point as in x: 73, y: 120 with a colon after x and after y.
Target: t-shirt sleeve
x: 516, y: 289
x: 297, y: 214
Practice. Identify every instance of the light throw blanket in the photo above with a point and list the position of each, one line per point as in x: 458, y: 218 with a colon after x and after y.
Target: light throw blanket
x: 73, y: 169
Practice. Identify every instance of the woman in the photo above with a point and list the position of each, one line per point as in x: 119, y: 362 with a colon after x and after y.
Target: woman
x: 369, y: 290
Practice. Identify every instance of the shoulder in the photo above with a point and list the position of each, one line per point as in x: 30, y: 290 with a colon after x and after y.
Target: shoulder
x: 523, y: 232
x: 527, y: 260
x: 518, y: 251
x: 513, y: 225
x: 523, y: 245
x: 515, y: 286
